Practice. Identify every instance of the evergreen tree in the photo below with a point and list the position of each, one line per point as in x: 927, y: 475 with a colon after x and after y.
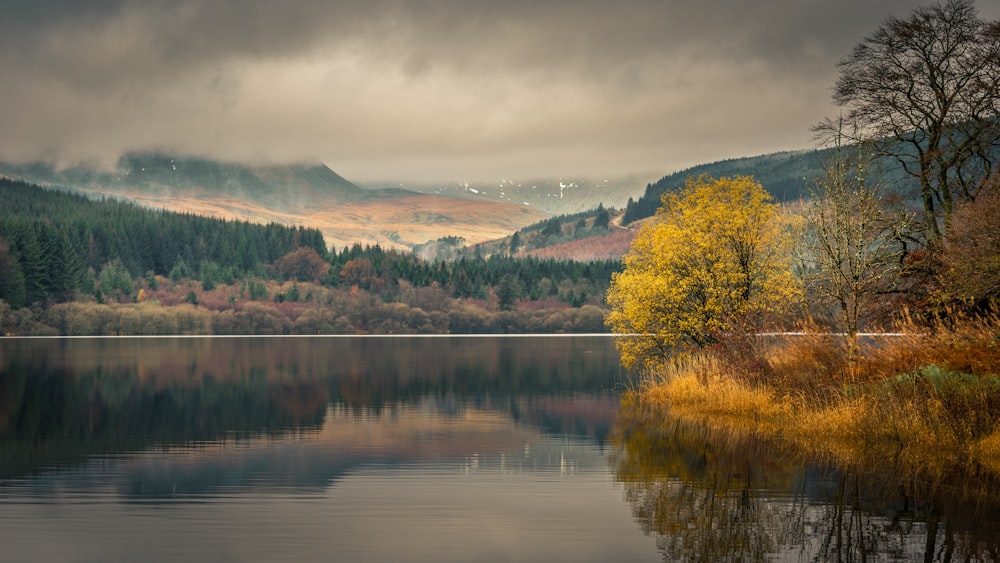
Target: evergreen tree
x: 33, y: 266
x: 11, y: 278
x: 515, y: 242
x: 508, y: 291
x: 603, y: 218
x: 553, y: 227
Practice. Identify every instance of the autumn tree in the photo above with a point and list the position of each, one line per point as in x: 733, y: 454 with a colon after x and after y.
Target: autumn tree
x: 303, y: 264
x: 970, y: 252
x: 926, y: 90
x: 715, y: 260
x: 358, y: 272
x: 853, y: 249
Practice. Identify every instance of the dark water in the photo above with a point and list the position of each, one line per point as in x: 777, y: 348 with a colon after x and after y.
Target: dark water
x: 312, y: 449
x: 414, y: 449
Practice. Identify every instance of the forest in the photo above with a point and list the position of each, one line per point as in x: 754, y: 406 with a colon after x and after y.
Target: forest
x: 70, y: 264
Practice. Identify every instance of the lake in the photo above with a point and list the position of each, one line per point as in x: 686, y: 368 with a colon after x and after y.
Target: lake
x: 414, y: 449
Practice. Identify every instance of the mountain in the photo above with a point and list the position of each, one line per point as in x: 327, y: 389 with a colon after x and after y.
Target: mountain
x: 156, y: 176
x: 300, y: 194
x: 554, y: 196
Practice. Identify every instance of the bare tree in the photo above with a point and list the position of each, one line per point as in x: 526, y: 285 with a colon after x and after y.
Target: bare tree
x: 926, y: 90
x: 854, y: 249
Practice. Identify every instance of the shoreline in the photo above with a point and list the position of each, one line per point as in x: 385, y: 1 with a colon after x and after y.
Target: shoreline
x: 929, y: 404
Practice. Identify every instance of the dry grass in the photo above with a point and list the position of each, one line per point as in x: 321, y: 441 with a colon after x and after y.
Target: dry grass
x: 930, y: 402
x: 987, y: 452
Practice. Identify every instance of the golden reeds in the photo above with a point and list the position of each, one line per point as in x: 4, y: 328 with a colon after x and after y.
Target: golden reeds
x: 927, y: 400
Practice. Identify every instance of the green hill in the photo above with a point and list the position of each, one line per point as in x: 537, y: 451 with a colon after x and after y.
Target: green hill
x: 785, y: 175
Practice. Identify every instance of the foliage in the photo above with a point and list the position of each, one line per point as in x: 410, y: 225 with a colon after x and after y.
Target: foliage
x: 716, y: 260
x: 508, y: 290
x: 115, y: 281
x: 602, y: 219
x: 515, y: 243
x: 970, y: 252
x: 302, y: 264
x: 12, y: 286
x: 926, y: 91
x: 553, y: 227
x: 382, y: 271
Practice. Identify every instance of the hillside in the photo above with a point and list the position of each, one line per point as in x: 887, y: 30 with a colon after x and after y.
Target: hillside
x: 594, y: 235
x: 784, y: 175
x: 788, y: 176
x: 299, y: 194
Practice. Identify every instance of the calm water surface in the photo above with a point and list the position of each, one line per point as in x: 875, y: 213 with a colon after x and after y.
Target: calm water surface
x: 312, y: 449
x: 413, y: 449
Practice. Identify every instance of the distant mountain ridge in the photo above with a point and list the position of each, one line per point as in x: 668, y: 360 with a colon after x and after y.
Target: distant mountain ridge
x: 282, y: 188
x: 555, y: 196
x: 297, y: 194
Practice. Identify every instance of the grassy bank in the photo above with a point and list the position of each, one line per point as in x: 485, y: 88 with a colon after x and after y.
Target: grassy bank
x: 929, y: 402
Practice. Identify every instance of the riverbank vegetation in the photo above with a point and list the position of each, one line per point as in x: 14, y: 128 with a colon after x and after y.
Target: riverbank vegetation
x: 927, y: 401
x: 915, y: 263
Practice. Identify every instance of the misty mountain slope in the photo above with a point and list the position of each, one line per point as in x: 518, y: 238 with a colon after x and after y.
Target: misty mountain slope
x: 299, y: 194
x: 155, y: 176
x: 554, y: 196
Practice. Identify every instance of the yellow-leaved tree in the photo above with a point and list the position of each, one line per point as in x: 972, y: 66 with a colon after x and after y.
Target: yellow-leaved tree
x: 715, y: 261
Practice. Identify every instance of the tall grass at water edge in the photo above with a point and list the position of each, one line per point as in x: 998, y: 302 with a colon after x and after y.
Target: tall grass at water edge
x: 928, y: 400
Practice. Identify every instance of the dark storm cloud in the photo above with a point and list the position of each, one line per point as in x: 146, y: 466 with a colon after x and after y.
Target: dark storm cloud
x: 423, y: 87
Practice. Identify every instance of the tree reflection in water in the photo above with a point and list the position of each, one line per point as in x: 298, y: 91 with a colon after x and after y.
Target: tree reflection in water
x: 709, y: 495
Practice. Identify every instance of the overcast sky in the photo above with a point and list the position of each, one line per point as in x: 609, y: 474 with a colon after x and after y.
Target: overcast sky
x: 426, y: 89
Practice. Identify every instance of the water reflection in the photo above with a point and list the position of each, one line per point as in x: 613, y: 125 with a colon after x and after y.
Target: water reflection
x: 62, y: 400
x: 311, y: 449
x: 711, y: 496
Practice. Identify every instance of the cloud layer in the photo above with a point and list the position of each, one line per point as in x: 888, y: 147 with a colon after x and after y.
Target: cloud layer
x: 424, y: 89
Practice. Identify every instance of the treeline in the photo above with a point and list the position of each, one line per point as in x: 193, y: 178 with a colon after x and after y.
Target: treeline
x: 54, y: 243
x: 73, y: 265
x: 375, y: 269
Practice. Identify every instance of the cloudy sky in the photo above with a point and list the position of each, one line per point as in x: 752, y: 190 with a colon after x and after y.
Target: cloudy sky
x: 425, y: 89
